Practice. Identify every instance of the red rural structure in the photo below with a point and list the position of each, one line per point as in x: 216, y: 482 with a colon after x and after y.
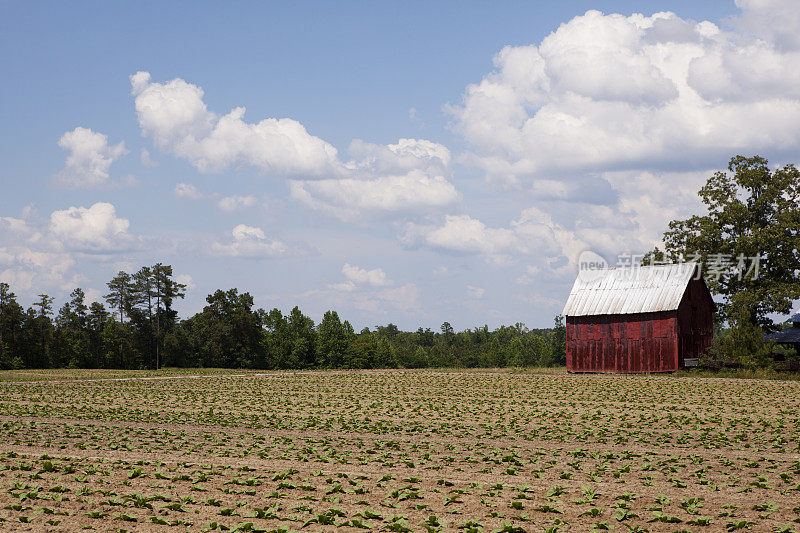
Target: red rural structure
x: 638, y: 319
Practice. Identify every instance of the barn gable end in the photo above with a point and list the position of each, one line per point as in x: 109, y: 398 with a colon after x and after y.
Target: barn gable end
x: 645, y: 319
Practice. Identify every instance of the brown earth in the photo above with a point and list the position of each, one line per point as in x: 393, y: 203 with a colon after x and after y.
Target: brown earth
x: 322, y: 451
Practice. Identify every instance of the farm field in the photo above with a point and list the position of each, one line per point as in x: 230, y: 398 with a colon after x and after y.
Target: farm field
x: 397, y: 451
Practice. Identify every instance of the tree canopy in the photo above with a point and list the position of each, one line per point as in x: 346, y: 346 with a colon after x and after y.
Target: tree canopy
x: 141, y: 330
x: 753, y: 217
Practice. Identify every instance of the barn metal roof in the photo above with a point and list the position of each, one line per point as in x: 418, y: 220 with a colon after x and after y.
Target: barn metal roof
x: 626, y: 290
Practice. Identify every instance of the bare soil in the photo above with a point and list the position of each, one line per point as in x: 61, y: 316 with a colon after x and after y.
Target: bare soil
x: 399, y: 451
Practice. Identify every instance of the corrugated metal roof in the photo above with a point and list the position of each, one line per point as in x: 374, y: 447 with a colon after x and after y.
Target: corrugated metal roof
x: 787, y: 335
x: 640, y: 289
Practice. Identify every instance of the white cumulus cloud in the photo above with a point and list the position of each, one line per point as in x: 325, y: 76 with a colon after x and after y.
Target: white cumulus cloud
x: 29, y: 259
x: 29, y: 269
x: 174, y: 115
x: 533, y: 233
x: 462, y: 233
x: 249, y: 241
x: 402, y: 157
x: 37, y: 255
x: 610, y: 92
x: 407, y: 175
x: 231, y: 204
x: 375, y: 277
x: 348, y: 198
x: 775, y: 21
x: 188, y: 191
x: 357, y: 277
x: 187, y: 280
x: 93, y: 229
x: 612, y: 123
x: 89, y: 158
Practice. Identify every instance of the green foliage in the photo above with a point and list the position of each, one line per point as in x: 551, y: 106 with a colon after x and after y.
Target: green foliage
x: 142, y: 331
x: 332, y: 341
x: 227, y: 333
x: 741, y: 345
x: 752, y: 212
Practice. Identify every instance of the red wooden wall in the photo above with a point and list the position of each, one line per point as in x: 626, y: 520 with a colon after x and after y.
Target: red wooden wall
x: 642, y: 342
x: 696, y: 320
x: 645, y: 342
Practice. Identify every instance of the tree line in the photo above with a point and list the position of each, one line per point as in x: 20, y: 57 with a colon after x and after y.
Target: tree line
x: 139, y: 329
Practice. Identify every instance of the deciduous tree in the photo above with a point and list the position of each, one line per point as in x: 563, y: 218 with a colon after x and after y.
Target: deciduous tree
x: 753, y: 211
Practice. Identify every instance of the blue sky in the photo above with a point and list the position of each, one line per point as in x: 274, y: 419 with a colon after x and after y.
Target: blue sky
x: 431, y: 162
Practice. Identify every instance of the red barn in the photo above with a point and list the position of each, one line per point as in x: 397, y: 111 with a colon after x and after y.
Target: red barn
x: 638, y: 319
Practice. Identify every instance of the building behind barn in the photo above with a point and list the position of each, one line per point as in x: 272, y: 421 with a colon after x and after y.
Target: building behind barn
x: 789, y: 336
x: 638, y: 319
